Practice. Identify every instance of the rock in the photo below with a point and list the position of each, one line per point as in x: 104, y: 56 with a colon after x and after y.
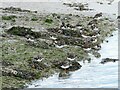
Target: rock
x: 101, y: 2
x: 78, y: 6
x: 16, y: 9
x: 64, y: 75
x: 94, y: 21
x: 118, y: 17
x: 6, y: 63
x: 40, y: 44
x: 18, y: 73
x: 106, y: 60
x: 11, y: 17
x: 98, y: 15
x: 9, y: 88
x: 48, y: 20
x: 23, y: 31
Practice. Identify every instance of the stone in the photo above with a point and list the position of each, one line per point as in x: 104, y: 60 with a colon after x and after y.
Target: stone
x: 18, y: 73
x: 106, y: 60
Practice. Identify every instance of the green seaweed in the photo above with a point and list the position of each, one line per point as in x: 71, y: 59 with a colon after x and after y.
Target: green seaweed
x: 34, y: 19
x: 11, y: 17
x: 48, y: 20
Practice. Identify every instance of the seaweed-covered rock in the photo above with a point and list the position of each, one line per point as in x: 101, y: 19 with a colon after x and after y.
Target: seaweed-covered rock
x: 37, y: 43
x: 66, y: 32
x: 34, y: 19
x: 11, y: 17
x: 48, y: 20
x: 69, y: 40
x: 27, y: 32
x: 22, y: 31
x: 18, y: 73
x: 6, y: 63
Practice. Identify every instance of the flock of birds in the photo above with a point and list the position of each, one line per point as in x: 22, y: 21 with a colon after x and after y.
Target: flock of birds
x: 70, y: 57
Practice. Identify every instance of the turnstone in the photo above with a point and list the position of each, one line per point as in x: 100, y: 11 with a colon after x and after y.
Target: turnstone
x: 71, y: 57
x: 38, y: 58
x: 65, y: 65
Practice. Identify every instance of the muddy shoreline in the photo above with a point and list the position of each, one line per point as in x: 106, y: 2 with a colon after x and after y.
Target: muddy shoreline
x: 28, y: 36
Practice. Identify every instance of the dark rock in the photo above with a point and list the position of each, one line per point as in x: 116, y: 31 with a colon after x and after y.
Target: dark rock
x: 13, y: 9
x: 107, y: 41
x: 101, y: 2
x: 98, y: 15
x: 106, y: 60
x: 54, y: 14
x: 35, y: 11
x: 64, y: 75
x: 94, y: 21
x: 16, y: 9
x: 118, y: 17
x: 11, y: 88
